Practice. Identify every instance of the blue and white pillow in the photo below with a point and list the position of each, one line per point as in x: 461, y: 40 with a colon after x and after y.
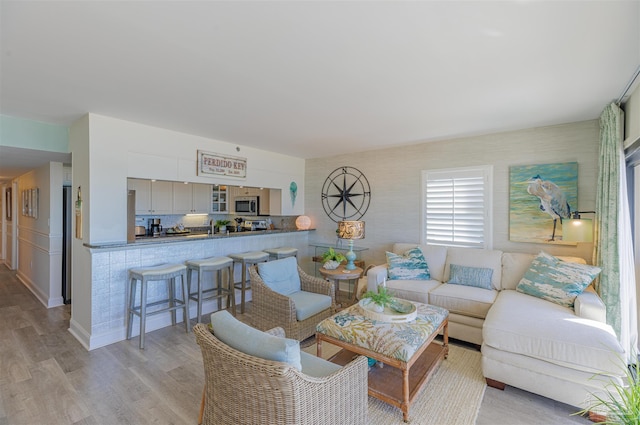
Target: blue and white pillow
x: 478, y: 277
x: 409, y: 266
x: 555, y: 280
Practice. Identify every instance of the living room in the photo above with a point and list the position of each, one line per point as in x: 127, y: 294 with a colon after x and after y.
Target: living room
x: 464, y: 133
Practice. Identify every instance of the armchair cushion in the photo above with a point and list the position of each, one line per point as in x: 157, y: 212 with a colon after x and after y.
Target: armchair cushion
x: 309, y: 303
x: 316, y: 366
x: 281, y: 275
x: 251, y: 341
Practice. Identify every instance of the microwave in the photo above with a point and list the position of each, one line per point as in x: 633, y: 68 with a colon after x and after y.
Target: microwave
x: 248, y: 205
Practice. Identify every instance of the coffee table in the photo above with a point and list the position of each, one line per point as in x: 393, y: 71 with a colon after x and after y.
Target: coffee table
x: 409, y: 348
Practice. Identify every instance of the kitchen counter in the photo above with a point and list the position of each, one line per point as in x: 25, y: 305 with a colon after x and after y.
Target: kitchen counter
x: 164, y: 239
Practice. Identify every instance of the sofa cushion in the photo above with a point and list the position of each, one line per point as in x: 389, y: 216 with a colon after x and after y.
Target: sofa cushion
x: 479, y: 277
x: 521, y: 324
x: 458, y: 299
x: 555, y: 280
x: 474, y: 257
x: 412, y: 290
x: 281, y: 275
x: 309, y: 303
x: 435, y: 255
x: 411, y: 265
x: 514, y: 266
x: 256, y: 343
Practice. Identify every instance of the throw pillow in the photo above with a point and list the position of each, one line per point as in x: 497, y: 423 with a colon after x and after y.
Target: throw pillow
x: 281, y: 276
x: 254, y: 342
x: 411, y: 265
x: 555, y: 280
x: 478, y: 277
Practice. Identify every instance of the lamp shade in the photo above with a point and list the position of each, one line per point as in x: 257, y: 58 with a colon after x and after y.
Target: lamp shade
x: 351, y: 229
x: 577, y: 230
x: 303, y: 222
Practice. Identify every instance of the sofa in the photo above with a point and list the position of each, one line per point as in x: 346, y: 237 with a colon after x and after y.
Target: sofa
x: 566, y: 353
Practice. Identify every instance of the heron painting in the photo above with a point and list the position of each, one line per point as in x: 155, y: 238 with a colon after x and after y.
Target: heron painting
x: 541, y: 196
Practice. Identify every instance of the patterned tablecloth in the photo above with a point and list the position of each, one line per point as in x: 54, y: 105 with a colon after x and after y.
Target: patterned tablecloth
x: 395, y: 340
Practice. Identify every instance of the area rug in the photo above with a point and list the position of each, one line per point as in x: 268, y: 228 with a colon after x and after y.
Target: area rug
x: 452, y: 396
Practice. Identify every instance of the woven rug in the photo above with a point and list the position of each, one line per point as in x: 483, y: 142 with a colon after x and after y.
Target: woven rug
x: 452, y: 396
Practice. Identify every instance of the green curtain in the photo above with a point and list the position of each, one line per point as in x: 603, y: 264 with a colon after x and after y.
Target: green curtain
x: 613, y: 251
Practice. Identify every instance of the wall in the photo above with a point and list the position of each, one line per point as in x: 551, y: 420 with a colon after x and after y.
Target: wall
x: 28, y: 134
x: 394, y: 175
x: 40, y: 239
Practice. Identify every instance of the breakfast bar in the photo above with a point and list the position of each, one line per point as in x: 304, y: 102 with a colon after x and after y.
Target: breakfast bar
x: 109, y: 264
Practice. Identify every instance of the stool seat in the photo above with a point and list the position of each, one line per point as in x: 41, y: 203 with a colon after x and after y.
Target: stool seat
x: 164, y: 272
x: 250, y: 256
x: 246, y: 259
x: 158, y: 271
x: 212, y: 264
x: 282, y: 252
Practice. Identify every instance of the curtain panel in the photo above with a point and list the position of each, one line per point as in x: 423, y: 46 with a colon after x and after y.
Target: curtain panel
x: 613, y: 251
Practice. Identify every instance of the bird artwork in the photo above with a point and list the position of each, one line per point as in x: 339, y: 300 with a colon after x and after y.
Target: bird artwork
x: 553, y: 200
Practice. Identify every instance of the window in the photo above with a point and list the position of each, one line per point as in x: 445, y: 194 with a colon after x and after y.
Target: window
x: 457, y: 207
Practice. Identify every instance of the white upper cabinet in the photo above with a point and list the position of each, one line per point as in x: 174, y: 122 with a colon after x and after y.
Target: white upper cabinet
x: 191, y: 198
x: 152, y: 197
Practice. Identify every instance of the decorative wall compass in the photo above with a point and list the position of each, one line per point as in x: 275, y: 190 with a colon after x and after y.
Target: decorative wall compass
x: 346, y: 194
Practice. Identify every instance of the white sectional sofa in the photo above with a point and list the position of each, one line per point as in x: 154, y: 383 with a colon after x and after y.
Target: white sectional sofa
x: 526, y: 341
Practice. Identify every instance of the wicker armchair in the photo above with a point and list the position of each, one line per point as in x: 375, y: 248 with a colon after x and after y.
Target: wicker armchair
x: 272, y: 309
x: 243, y: 389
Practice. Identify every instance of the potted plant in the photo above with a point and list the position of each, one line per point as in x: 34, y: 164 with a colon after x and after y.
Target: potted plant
x: 332, y: 259
x: 621, y: 402
x: 222, y: 225
x: 378, y: 300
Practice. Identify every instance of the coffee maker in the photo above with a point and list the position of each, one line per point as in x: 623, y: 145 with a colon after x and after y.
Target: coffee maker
x: 154, y: 227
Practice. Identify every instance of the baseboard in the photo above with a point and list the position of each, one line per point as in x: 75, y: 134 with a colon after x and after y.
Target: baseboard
x: 79, y: 333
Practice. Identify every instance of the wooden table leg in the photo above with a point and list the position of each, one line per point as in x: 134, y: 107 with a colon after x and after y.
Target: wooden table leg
x: 318, y: 347
x: 405, y: 395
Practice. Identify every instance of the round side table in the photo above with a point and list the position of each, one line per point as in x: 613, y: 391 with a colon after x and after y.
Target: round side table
x: 342, y: 274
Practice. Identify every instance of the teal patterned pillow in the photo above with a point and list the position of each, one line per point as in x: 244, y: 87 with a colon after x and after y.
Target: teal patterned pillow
x: 555, y: 280
x: 409, y: 266
x: 478, y: 277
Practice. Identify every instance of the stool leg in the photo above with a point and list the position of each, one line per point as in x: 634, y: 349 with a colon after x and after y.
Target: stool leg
x: 185, y: 297
x: 199, y: 306
x: 219, y: 286
x: 143, y: 311
x: 244, y: 286
x: 172, y: 299
x: 131, y: 305
x: 189, y: 278
x: 231, y: 298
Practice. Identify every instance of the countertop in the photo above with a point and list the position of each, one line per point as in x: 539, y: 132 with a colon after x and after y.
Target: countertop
x: 149, y: 240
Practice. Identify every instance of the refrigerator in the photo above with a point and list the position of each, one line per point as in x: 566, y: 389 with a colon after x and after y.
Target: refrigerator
x: 67, y: 214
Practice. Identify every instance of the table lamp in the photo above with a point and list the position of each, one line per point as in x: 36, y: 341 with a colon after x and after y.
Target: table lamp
x: 350, y: 230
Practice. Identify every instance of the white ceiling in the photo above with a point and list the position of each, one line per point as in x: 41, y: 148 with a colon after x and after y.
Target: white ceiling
x: 317, y: 78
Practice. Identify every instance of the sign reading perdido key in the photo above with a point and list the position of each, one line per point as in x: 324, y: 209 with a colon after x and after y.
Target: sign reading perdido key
x: 212, y: 164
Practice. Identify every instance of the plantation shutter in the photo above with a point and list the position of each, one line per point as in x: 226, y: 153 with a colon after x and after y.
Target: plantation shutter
x: 456, y: 207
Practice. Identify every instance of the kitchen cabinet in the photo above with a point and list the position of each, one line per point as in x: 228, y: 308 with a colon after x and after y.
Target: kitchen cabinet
x: 152, y: 197
x: 191, y: 198
x: 236, y: 191
x: 219, y: 199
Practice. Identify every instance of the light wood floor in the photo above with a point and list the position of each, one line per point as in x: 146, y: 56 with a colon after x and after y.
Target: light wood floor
x: 48, y: 378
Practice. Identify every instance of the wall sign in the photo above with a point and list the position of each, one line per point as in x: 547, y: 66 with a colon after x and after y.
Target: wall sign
x: 213, y: 164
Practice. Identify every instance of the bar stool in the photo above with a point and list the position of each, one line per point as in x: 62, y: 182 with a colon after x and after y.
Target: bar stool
x: 246, y: 259
x: 168, y: 272
x: 213, y: 264
x: 282, y: 252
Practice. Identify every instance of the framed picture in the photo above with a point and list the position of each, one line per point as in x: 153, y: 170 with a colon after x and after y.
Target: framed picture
x: 8, y: 204
x: 540, y: 197
x: 25, y: 202
x: 34, y: 203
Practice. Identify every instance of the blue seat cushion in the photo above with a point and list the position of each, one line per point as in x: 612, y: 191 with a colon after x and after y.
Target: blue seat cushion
x: 254, y: 342
x: 281, y: 276
x: 316, y: 366
x: 309, y: 303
